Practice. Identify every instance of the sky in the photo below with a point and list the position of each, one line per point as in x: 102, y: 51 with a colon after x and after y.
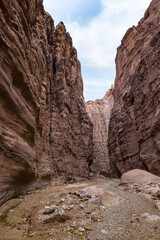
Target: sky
x: 97, y: 28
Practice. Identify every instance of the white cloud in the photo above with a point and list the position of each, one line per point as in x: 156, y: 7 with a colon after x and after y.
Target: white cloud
x: 98, y: 39
x: 93, y: 82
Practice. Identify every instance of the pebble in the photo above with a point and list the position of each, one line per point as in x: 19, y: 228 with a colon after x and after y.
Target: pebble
x: 104, y: 231
x: 82, y: 196
x: 153, y: 218
x: 102, y: 207
x: 88, y: 195
x: 158, y: 194
x: 134, y: 215
x: 158, y: 205
x: 88, y: 212
x: 91, y: 174
x: 64, y: 207
x: 32, y: 234
x: 81, y: 229
x: 87, y: 227
x: 62, y: 200
x: 96, y: 201
x: 49, y: 209
x: 81, y: 206
x: 145, y: 215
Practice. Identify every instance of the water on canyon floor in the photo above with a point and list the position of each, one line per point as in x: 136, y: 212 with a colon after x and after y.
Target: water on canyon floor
x: 95, y: 209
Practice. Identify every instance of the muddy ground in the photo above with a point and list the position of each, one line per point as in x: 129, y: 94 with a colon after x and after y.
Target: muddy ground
x: 95, y: 209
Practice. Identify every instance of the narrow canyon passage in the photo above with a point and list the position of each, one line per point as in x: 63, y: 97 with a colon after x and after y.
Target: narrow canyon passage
x: 61, y: 158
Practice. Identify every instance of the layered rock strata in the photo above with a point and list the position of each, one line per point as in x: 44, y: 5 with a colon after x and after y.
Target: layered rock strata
x: 134, y: 130
x: 99, y: 112
x: 44, y: 128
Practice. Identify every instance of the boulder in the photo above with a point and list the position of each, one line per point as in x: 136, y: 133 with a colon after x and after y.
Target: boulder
x: 140, y: 177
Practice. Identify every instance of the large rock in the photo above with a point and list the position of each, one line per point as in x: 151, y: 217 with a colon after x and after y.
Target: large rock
x: 134, y: 130
x: 139, y: 176
x: 99, y: 112
x: 44, y: 128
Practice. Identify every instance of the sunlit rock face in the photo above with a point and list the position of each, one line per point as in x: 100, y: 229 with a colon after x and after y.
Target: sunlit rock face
x: 99, y: 112
x: 134, y: 130
x: 44, y: 128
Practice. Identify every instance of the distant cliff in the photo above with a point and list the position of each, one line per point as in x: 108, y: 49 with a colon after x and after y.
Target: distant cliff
x: 99, y: 112
x: 134, y: 129
x: 45, y: 130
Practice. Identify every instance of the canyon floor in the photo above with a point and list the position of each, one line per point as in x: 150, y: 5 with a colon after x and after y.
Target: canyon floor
x: 94, y: 209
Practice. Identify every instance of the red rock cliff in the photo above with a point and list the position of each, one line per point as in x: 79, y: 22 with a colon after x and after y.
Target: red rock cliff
x: 44, y: 128
x: 99, y: 112
x: 134, y: 130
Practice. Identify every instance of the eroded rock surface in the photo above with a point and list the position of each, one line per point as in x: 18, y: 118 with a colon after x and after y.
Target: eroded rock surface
x: 44, y: 128
x: 99, y: 113
x: 134, y: 130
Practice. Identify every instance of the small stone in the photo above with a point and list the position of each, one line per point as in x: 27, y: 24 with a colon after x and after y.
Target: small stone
x: 158, y: 194
x: 61, y: 211
x: 102, y: 207
x: 104, y: 231
x: 91, y: 174
x: 62, y: 200
x: 77, y: 193
x: 81, y: 229
x: 157, y: 205
x: 69, y: 229
x: 64, y: 207
x: 94, y: 218
x: 96, y: 201
x: 134, y: 215
x: 88, y: 212
x: 82, y: 196
x: 31, y: 234
x: 49, y: 209
x: 145, y: 215
x: 87, y: 227
x: 50, y: 234
x: 71, y: 207
x: 88, y: 195
x: 153, y: 218
x: 81, y: 206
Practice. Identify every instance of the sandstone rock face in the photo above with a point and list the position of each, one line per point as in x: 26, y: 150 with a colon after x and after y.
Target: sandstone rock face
x: 134, y: 130
x: 139, y: 176
x: 44, y: 128
x: 99, y: 112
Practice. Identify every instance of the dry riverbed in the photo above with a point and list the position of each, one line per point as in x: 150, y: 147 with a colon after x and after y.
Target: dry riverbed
x: 96, y: 209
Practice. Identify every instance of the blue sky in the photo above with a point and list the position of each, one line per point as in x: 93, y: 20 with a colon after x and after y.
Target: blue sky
x: 97, y: 27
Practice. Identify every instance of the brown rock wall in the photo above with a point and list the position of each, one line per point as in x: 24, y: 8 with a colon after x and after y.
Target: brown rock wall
x: 134, y: 130
x: 44, y: 128
x: 99, y: 112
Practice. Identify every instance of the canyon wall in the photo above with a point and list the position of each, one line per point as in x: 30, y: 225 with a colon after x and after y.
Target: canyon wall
x: 134, y: 129
x: 99, y: 112
x: 45, y: 130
